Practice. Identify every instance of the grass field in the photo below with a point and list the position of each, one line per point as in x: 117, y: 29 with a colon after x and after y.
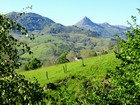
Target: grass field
x: 95, y: 67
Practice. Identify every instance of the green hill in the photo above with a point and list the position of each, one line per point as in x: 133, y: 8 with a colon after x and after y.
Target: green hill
x: 53, y: 39
x: 94, y: 69
x: 48, y: 48
x: 78, y: 84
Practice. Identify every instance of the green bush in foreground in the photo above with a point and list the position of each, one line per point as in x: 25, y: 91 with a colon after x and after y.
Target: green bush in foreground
x: 14, y: 89
x: 126, y: 77
x: 124, y: 88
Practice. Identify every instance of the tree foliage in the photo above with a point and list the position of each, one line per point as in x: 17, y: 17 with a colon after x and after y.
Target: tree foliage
x: 33, y: 64
x: 14, y: 89
x: 126, y: 77
x: 62, y: 58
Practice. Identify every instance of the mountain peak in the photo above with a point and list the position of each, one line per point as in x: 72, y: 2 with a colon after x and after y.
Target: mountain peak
x: 85, y: 17
x: 32, y: 21
x: 85, y: 21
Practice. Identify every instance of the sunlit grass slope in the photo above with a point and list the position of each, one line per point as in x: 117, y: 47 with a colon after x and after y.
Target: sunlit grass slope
x: 95, y: 67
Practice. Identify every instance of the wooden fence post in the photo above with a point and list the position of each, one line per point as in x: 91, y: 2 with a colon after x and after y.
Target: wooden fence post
x: 83, y: 62
x: 47, y: 75
x: 65, y: 68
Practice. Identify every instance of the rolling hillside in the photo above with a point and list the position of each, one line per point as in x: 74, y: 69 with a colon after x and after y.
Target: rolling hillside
x: 48, y: 48
x: 52, y: 39
x: 77, y: 83
x: 94, y: 69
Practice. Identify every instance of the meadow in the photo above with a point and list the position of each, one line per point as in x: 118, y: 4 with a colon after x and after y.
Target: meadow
x: 95, y: 67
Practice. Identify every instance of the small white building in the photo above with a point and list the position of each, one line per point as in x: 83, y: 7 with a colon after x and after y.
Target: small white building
x: 77, y: 58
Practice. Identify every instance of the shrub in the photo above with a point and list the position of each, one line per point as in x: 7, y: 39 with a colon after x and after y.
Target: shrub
x: 126, y: 77
x: 62, y: 59
x: 14, y: 88
x: 125, y: 84
x: 33, y: 64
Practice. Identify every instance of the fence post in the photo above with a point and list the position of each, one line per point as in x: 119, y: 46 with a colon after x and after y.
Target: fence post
x: 65, y: 68
x: 83, y: 62
x: 47, y: 75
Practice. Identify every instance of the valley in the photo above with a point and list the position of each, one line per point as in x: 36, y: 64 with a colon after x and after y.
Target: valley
x: 57, y: 52
x: 85, y: 38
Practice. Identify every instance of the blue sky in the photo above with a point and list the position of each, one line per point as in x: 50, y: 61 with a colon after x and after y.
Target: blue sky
x: 68, y: 12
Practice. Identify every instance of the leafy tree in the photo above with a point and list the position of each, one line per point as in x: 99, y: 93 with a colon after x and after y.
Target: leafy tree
x: 126, y: 77
x: 124, y: 88
x: 14, y: 89
x: 62, y: 59
x: 33, y: 64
